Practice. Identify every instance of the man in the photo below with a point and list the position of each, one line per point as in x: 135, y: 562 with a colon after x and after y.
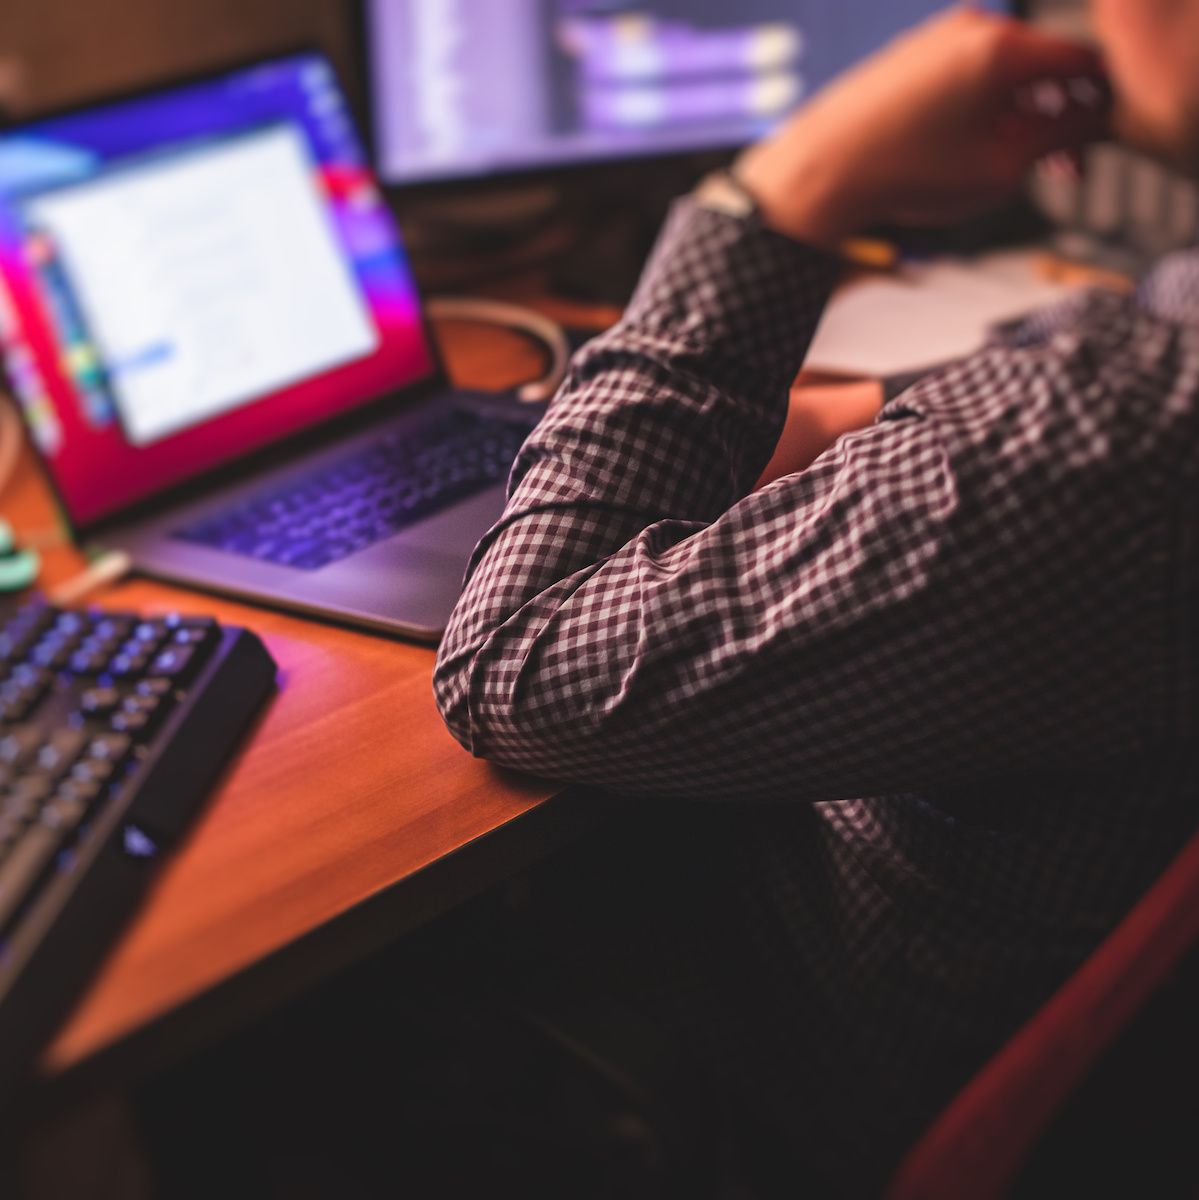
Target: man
x: 937, y: 689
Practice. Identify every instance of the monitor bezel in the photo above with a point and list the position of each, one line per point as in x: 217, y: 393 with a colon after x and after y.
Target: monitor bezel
x: 241, y: 465
x: 572, y: 170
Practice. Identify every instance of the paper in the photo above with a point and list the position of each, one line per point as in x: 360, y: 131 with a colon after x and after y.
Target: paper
x: 926, y: 313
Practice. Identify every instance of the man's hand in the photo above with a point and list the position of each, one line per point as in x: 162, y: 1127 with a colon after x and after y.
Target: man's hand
x: 817, y: 415
x: 942, y: 124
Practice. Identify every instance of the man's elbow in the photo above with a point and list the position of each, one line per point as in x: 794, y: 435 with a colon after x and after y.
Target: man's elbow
x: 478, y: 720
x: 451, y: 691
x: 489, y: 721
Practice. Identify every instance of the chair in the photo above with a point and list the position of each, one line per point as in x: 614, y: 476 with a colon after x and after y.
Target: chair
x: 985, y: 1137
x: 989, y: 1134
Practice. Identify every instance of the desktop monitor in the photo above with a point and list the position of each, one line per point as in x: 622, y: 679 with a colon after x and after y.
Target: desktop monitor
x: 471, y: 88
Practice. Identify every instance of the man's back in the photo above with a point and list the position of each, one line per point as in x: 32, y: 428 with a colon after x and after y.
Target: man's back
x: 984, y: 606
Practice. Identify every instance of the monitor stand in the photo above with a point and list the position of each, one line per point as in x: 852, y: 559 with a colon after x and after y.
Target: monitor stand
x: 605, y: 262
x: 604, y: 266
x: 592, y: 227
x: 461, y: 239
x: 620, y: 213
x: 595, y: 229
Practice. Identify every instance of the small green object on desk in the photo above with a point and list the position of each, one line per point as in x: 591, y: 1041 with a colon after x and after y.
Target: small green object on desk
x: 18, y: 568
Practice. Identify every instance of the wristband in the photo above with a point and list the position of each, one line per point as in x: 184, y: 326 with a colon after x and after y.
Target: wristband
x: 723, y: 192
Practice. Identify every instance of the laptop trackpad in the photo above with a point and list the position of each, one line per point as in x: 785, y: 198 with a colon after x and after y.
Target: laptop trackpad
x: 458, y: 528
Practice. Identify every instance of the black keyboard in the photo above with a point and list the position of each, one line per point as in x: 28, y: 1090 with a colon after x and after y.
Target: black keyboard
x: 113, y: 729
x: 339, y: 509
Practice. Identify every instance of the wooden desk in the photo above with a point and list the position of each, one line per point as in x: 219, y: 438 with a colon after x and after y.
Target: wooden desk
x: 349, y: 816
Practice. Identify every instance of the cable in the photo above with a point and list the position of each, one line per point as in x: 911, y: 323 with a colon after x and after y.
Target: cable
x: 108, y: 568
x: 113, y: 566
x: 521, y: 319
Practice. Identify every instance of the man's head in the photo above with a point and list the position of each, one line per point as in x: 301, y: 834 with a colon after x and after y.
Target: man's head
x: 1152, y: 51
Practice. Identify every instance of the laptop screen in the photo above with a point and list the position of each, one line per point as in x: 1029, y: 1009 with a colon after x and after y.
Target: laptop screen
x: 193, y: 274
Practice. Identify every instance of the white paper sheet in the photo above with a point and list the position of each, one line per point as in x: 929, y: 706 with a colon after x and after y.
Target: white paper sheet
x: 926, y: 313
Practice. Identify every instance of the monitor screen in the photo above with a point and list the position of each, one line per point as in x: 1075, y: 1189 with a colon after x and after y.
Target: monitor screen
x: 463, y: 88
x: 193, y: 274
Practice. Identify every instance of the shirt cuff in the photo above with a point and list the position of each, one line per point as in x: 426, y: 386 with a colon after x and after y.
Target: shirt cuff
x: 744, y: 295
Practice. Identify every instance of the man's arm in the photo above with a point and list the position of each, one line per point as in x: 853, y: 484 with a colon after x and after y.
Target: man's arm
x: 817, y: 415
x: 947, y: 593
x: 974, y: 585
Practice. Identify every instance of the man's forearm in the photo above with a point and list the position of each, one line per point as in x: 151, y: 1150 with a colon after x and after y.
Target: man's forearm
x: 670, y: 416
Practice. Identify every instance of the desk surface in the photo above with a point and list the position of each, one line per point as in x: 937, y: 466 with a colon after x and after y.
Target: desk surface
x: 349, y: 816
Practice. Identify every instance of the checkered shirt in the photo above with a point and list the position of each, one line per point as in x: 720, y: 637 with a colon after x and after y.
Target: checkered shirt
x: 939, y: 687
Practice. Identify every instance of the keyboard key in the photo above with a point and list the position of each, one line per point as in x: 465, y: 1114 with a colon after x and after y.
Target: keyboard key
x: 140, y: 715
x: 154, y: 687
x: 174, y: 662
x: 10, y: 833
x: 19, y: 747
x: 54, y: 651
x: 99, y: 701
x: 130, y: 662
x: 110, y: 747
x: 24, y: 866
x: 25, y: 800
x: 113, y: 627
x: 93, y: 770
x: 60, y: 752
x: 23, y: 631
x: 90, y: 659
x: 69, y: 806
x: 22, y: 691
x: 14, y: 707
x: 190, y: 636
x: 151, y: 632
x: 136, y: 724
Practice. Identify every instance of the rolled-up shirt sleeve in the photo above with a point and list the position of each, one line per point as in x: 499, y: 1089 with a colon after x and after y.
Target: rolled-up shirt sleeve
x: 985, y: 580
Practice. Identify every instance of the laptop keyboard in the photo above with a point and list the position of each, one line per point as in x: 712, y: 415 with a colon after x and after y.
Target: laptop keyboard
x: 367, y: 496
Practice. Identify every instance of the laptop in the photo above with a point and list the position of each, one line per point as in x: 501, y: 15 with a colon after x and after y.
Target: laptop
x: 211, y: 327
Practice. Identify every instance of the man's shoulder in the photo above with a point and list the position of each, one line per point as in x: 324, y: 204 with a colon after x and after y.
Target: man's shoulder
x: 1109, y: 384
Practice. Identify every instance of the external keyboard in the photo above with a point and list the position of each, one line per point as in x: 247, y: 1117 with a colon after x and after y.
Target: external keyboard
x: 364, y: 497
x: 113, y: 729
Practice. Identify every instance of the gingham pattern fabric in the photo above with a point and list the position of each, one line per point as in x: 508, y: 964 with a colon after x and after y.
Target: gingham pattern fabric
x: 940, y: 686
